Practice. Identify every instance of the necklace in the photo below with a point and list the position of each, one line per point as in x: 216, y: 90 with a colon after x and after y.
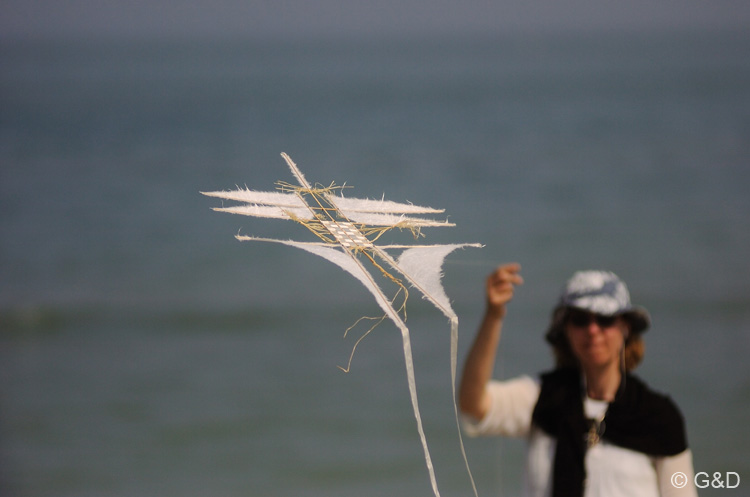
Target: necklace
x: 596, y: 430
x: 595, y: 411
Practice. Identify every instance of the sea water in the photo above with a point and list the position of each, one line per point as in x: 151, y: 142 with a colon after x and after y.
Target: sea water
x: 146, y: 352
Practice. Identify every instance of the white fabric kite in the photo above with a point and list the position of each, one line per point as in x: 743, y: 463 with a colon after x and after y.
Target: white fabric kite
x: 348, y: 229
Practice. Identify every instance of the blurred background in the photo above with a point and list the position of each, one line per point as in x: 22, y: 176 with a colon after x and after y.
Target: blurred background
x: 146, y: 352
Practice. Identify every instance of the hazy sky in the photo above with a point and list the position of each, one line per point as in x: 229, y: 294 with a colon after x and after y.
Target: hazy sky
x: 398, y: 17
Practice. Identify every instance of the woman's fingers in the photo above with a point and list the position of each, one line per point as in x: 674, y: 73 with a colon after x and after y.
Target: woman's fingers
x: 501, y: 284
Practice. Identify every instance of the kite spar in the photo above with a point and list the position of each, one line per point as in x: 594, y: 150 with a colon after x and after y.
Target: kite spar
x: 348, y: 229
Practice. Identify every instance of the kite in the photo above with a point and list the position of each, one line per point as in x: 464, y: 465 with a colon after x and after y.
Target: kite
x: 348, y: 229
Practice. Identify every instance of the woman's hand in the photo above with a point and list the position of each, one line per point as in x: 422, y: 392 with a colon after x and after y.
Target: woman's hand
x: 500, y: 286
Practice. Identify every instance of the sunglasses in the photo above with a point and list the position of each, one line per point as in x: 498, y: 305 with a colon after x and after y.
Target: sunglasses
x: 583, y: 319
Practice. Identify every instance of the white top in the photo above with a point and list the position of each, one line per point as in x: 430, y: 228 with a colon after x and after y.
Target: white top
x: 611, y: 471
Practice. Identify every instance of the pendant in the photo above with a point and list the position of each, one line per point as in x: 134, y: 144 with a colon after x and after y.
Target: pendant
x: 596, y: 430
x: 592, y: 438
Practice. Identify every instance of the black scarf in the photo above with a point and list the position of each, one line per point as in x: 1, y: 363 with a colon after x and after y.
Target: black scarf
x: 638, y: 419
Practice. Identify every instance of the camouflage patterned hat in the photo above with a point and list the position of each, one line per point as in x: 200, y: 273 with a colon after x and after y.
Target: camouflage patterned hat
x: 598, y: 292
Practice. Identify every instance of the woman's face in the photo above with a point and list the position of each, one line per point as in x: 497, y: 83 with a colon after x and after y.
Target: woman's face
x: 596, y: 340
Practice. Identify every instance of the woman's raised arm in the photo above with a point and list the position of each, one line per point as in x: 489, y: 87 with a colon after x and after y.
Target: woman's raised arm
x: 480, y: 362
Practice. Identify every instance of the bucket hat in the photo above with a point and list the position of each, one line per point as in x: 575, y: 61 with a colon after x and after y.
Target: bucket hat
x: 598, y: 292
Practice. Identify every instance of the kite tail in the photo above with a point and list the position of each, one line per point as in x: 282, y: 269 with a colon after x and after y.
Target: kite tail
x: 454, y: 355
x: 415, y: 404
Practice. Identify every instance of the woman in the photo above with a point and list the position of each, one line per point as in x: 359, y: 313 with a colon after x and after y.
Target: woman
x: 593, y: 429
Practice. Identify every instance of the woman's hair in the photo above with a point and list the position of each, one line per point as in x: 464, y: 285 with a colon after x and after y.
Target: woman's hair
x: 635, y: 348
